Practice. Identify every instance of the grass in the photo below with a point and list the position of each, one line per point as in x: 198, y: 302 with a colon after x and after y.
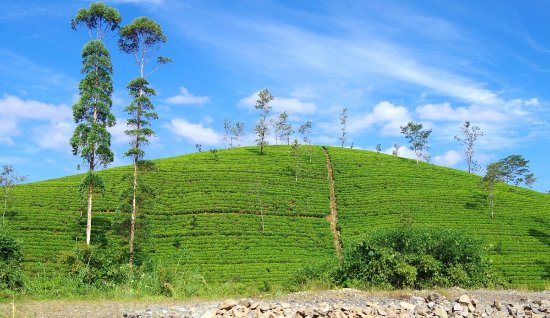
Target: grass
x: 238, y: 221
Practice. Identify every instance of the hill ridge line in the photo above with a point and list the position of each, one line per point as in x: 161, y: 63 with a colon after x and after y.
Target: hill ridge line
x: 333, y: 216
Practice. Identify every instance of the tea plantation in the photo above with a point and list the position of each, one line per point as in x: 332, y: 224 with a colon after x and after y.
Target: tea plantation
x: 379, y: 191
x: 233, y: 215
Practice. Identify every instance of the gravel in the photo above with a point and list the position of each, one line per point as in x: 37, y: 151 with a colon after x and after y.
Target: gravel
x: 200, y: 308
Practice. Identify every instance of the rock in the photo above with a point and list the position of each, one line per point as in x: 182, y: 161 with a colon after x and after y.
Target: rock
x: 536, y: 316
x: 457, y: 307
x: 464, y: 299
x: 440, y: 312
x: 244, y: 302
x: 381, y: 311
x: 209, y: 313
x: 407, y: 306
x: 544, y: 306
x: 227, y: 304
x: 254, y: 305
x: 497, y: 305
x: 286, y: 305
x: 263, y: 306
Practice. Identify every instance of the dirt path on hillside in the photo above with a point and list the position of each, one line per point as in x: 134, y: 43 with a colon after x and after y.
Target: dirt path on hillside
x: 333, y: 216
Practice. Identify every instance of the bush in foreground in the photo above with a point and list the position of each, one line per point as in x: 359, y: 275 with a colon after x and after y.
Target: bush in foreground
x: 417, y: 258
x: 407, y: 258
x: 11, y: 276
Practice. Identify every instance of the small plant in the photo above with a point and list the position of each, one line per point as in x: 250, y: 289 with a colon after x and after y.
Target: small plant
x: 214, y: 153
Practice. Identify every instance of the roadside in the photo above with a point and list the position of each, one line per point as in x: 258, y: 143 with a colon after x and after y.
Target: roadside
x: 331, y: 300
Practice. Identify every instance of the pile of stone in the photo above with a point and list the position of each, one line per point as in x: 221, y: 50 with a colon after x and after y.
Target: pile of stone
x: 433, y: 305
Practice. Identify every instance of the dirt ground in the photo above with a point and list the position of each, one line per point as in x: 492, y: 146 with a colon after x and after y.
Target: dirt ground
x: 114, y: 308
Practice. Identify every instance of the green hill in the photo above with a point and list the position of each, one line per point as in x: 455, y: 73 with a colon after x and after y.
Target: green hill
x: 237, y: 216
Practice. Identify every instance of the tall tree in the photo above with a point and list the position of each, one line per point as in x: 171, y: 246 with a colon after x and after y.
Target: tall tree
x: 470, y: 135
x: 512, y: 169
x: 262, y: 129
x: 418, y: 139
x: 92, y: 112
x: 343, y: 122
x: 142, y: 38
x: 8, y: 179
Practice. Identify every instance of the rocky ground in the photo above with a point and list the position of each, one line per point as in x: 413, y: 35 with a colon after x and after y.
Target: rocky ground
x: 342, y: 303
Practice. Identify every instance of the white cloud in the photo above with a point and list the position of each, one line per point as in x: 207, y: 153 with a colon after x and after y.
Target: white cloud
x: 386, y: 114
x: 444, y: 112
x: 55, y: 136
x: 195, y: 133
x: 14, y: 107
x: 8, y: 129
x: 118, y: 133
x: 281, y: 104
x: 448, y: 159
x: 186, y: 98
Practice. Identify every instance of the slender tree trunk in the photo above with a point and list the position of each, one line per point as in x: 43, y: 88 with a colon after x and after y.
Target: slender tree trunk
x: 135, y: 184
x: 89, y: 216
x: 133, y: 218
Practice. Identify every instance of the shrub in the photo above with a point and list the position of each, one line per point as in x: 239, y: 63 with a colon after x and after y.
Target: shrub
x: 100, y: 266
x: 417, y: 258
x: 11, y: 277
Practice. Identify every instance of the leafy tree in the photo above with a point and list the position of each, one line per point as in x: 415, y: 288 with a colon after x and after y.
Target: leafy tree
x: 8, y: 179
x: 142, y: 38
x: 282, y: 128
x: 512, y: 169
x: 379, y: 148
x: 418, y: 139
x: 199, y: 147
x: 232, y: 132
x: 470, y: 135
x: 343, y: 122
x: 92, y: 112
x: 395, y: 151
x: 261, y: 129
x: 305, y: 130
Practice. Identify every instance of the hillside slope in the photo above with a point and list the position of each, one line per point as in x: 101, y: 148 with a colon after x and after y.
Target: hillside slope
x: 379, y: 191
x: 237, y: 216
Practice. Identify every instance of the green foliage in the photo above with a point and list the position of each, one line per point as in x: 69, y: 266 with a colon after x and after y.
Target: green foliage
x: 100, y: 266
x: 98, y: 17
x: 142, y: 34
x: 417, y: 258
x: 11, y: 275
x: 418, y: 139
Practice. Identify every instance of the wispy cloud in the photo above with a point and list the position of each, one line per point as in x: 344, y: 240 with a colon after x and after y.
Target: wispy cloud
x: 186, y: 98
x: 194, y: 133
x: 281, y: 104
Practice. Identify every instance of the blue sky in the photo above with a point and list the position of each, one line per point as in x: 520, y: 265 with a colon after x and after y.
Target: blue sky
x: 388, y: 62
